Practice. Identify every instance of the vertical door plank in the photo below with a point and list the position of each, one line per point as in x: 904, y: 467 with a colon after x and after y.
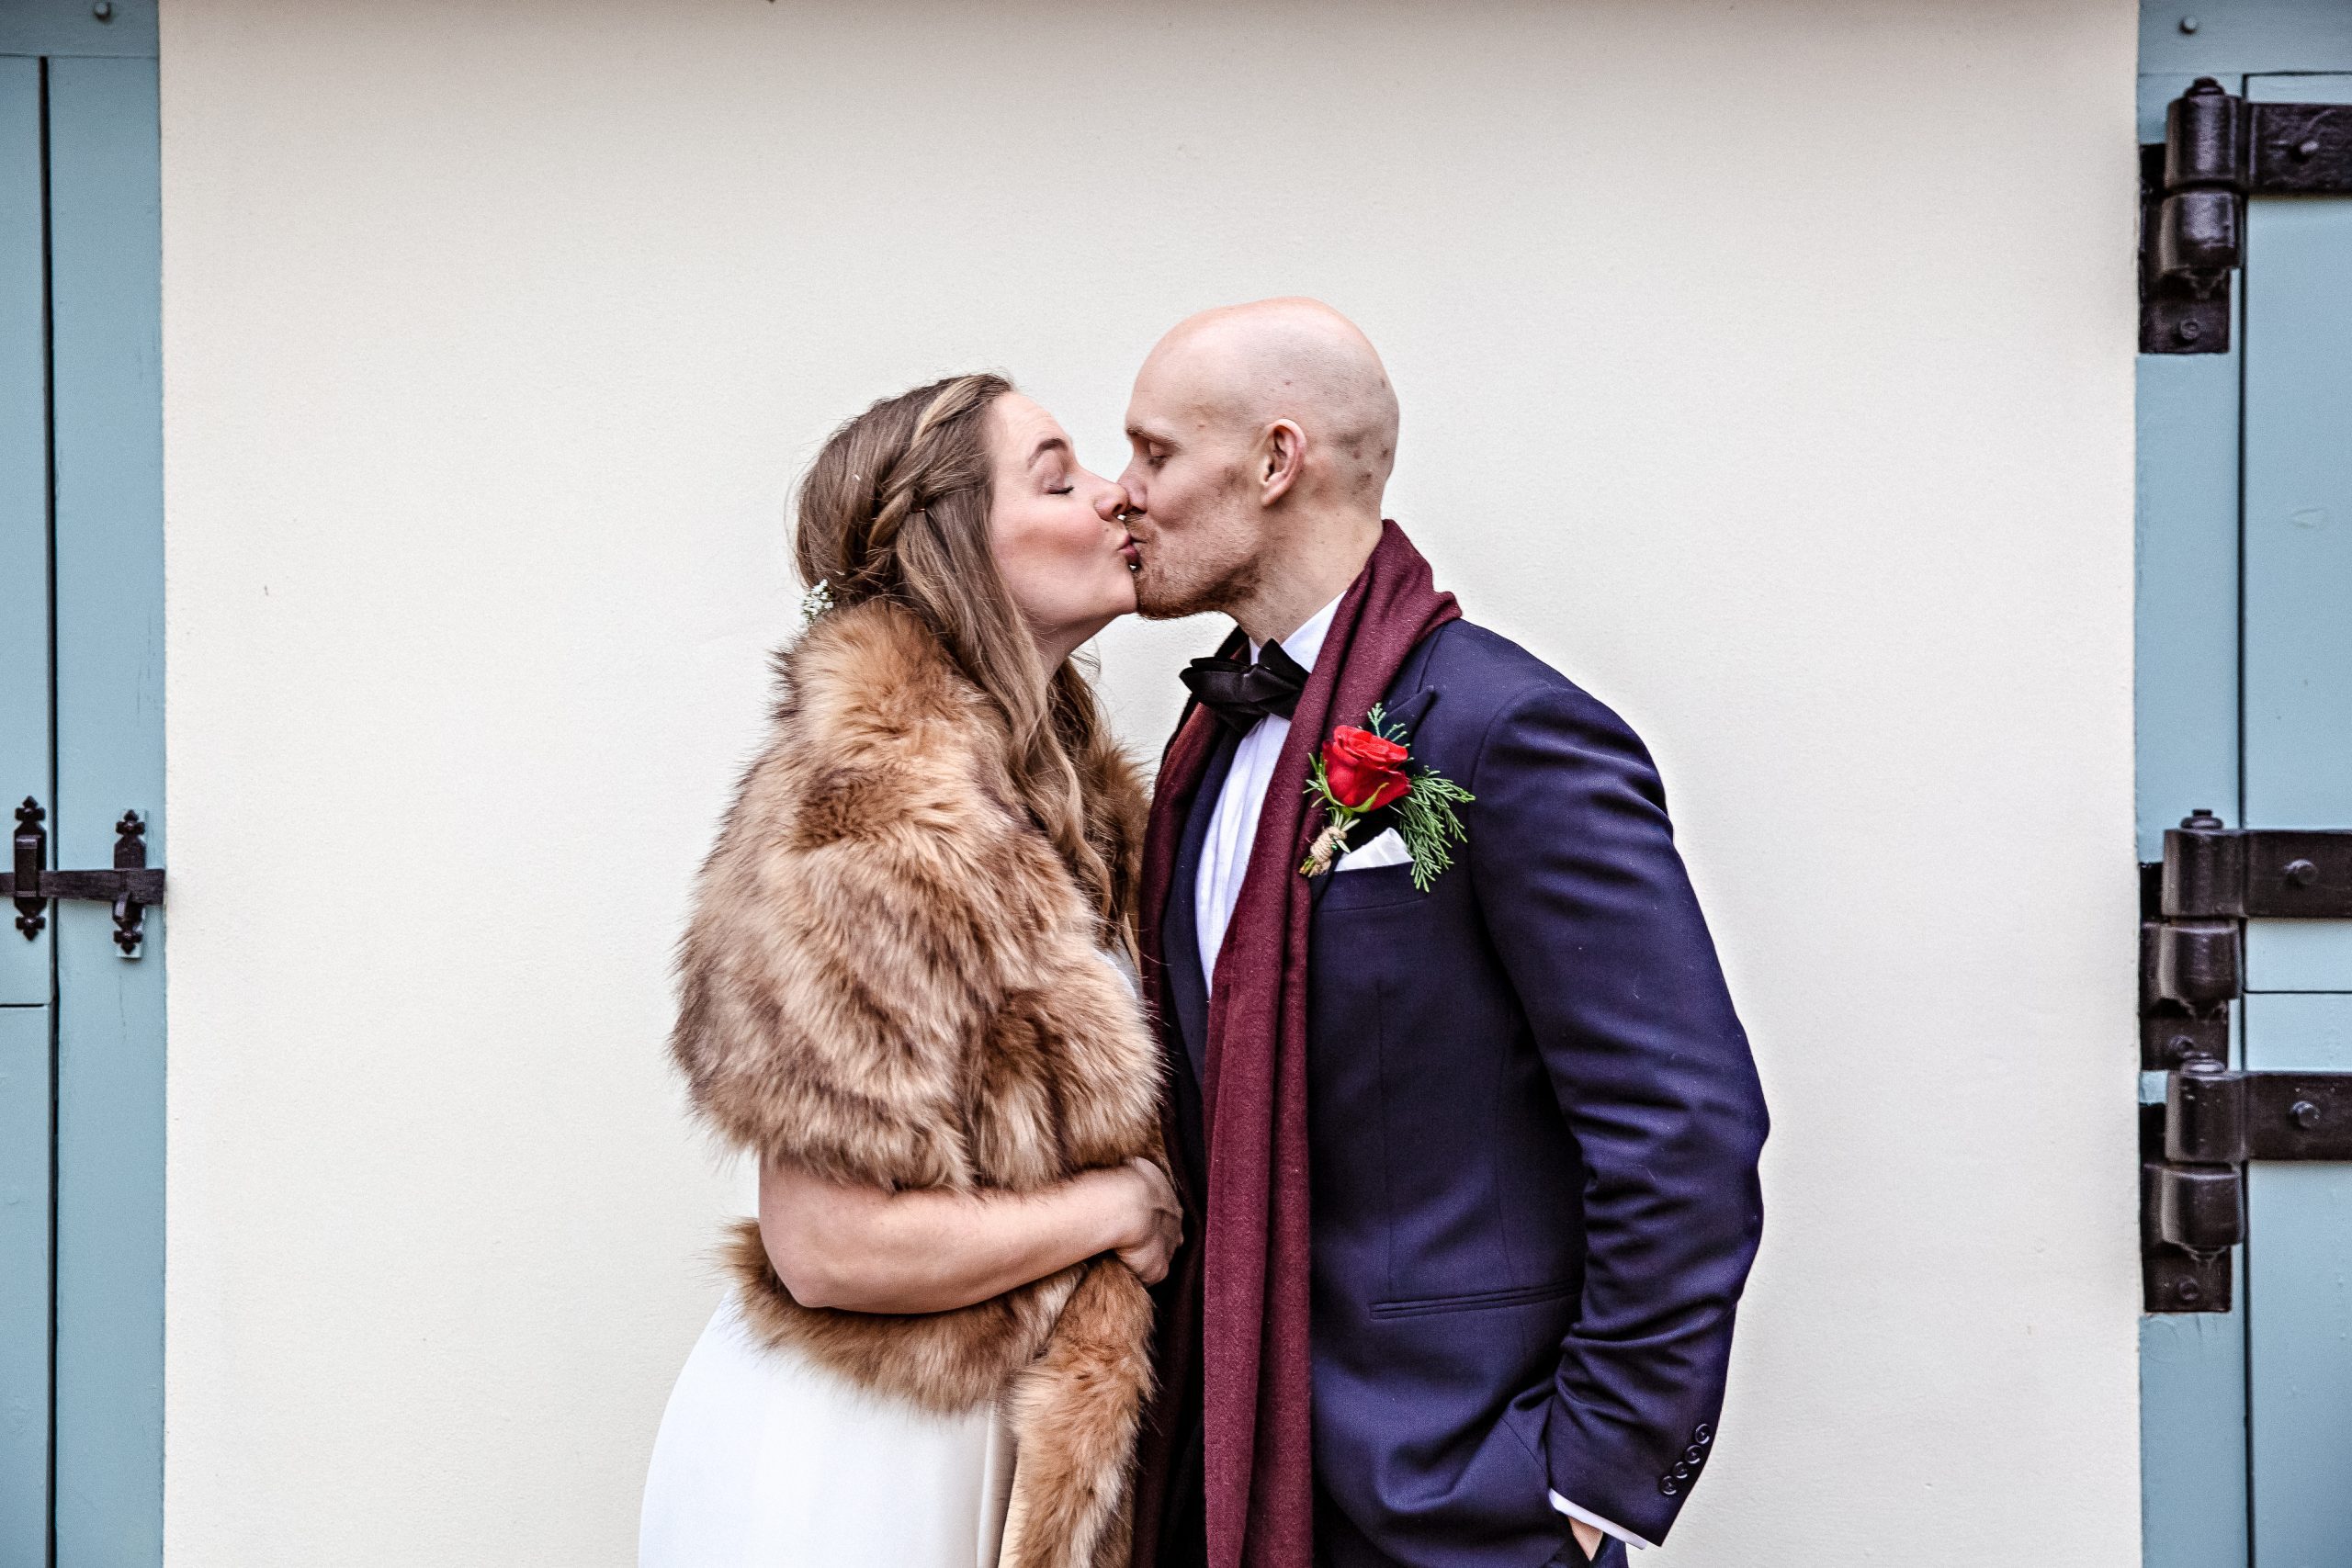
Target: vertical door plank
x: 104, y: 248
x: 2192, y: 1444
x: 24, y: 497
x: 2186, y: 671
x: 2192, y: 1366
x: 2298, y: 1308
x: 2298, y: 531
x: 25, y: 1042
x: 2299, y: 537
x: 24, y: 1286
x: 2185, y: 615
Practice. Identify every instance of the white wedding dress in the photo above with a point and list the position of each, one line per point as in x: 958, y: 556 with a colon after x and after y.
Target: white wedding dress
x: 766, y: 1459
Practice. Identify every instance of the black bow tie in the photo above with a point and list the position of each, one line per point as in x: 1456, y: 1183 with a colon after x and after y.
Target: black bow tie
x: 1240, y: 694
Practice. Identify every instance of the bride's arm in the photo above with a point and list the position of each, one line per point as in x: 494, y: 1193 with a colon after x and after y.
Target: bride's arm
x: 860, y: 1249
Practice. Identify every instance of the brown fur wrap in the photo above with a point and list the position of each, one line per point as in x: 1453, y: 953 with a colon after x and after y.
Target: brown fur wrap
x: 892, y: 978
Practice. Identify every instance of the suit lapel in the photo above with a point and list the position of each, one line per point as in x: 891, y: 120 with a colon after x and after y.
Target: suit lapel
x: 1188, y: 984
x: 1409, y: 711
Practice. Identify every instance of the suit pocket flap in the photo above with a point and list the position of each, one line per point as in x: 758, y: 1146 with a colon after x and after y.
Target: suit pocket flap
x: 1515, y: 1295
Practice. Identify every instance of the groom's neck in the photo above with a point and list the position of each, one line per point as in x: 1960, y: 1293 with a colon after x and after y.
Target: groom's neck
x: 1308, y: 563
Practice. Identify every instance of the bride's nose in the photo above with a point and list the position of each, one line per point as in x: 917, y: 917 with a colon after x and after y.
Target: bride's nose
x: 1111, y: 504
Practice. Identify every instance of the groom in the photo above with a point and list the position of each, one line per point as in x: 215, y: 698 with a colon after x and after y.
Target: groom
x: 1468, y: 1149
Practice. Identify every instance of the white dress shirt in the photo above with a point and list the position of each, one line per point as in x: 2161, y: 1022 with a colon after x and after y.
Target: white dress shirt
x: 1225, y: 862
x: 1233, y: 827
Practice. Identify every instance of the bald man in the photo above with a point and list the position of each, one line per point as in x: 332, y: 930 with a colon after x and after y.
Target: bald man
x: 1532, y: 1122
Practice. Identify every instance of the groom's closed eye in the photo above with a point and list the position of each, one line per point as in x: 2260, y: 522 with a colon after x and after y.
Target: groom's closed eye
x: 1148, y: 449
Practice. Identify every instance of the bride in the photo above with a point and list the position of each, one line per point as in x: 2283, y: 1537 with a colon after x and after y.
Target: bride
x: 906, y: 988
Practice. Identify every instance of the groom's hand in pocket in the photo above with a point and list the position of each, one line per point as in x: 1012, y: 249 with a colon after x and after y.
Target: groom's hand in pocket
x: 1588, y: 1538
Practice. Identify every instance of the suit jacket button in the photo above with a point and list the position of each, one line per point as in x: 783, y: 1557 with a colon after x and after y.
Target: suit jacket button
x: 1694, y: 1454
x: 1665, y: 1484
x: 1703, y: 1434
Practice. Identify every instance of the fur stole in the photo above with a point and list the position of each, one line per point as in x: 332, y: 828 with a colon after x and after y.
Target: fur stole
x: 891, y: 977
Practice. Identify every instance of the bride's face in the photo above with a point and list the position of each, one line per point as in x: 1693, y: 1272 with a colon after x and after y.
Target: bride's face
x: 1053, y: 528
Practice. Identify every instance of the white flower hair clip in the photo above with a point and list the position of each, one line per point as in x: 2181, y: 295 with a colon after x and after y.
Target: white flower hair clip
x: 816, y: 602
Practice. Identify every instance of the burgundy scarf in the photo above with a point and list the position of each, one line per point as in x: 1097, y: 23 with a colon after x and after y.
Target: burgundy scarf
x: 1253, y: 1301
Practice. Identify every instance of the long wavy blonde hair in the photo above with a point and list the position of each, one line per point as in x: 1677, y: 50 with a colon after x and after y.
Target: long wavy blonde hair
x: 896, y: 507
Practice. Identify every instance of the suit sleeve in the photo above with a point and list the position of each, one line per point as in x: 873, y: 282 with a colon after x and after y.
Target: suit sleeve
x: 1588, y: 905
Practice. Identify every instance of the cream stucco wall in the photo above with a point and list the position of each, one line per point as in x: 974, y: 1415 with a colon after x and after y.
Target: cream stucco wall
x: 1764, y: 365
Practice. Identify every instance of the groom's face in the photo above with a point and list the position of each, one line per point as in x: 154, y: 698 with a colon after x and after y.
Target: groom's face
x: 1193, y: 511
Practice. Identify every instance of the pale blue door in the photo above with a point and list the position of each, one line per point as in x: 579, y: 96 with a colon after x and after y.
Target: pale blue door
x: 81, y: 737
x: 2297, y: 532
x: 25, y: 771
x: 2246, y: 708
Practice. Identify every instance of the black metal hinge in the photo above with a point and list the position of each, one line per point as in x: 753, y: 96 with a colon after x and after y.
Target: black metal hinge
x: 2193, y: 1194
x: 2197, y: 901
x: 2218, y: 149
x: 133, y: 886
x: 2195, y: 904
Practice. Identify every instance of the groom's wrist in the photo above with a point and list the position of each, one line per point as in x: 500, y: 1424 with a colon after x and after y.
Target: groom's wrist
x: 1582, y: 1518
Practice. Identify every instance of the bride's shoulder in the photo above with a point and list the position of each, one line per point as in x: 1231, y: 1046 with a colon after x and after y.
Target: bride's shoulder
x: 867, y: 698
x: 871, y: 672
x: 876, y: 738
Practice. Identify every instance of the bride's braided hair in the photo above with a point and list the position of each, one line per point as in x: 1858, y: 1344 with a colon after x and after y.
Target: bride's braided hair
x: 896, y: 507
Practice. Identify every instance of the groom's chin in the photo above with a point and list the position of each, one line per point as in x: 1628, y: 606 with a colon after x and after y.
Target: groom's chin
x: 1164, y: 610
x: 1154, y: 606
x: 1161, y: 601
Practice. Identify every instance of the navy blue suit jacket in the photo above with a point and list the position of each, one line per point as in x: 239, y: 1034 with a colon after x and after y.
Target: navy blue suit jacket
x: 1532, y: 1127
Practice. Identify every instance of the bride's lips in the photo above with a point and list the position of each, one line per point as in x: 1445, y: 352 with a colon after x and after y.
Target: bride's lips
x: 1133, y: 555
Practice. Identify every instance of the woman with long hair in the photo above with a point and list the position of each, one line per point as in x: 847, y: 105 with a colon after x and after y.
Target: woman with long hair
x: 907, y: 989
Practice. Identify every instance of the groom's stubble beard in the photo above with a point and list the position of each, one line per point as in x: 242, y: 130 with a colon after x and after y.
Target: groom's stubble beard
x: 1217, y: 562
x: 1162, y: 594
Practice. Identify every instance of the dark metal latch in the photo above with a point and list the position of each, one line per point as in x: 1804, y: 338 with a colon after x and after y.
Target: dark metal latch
x: 131, y: 885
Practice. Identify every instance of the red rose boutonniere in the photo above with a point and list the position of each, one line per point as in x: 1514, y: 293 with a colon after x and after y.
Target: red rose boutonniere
x: 1372, y: 769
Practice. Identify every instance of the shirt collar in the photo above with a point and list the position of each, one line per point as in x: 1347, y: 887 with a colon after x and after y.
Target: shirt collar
x: 1304, y: 644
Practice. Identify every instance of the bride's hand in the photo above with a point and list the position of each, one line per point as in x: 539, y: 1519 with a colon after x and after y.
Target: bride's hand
x: 1155, y: 1221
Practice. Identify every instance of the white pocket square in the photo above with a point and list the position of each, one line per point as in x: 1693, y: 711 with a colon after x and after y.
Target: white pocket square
x: 1387, y: 849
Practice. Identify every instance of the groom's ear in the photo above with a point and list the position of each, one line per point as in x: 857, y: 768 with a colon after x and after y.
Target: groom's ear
x: 1282, y: 458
